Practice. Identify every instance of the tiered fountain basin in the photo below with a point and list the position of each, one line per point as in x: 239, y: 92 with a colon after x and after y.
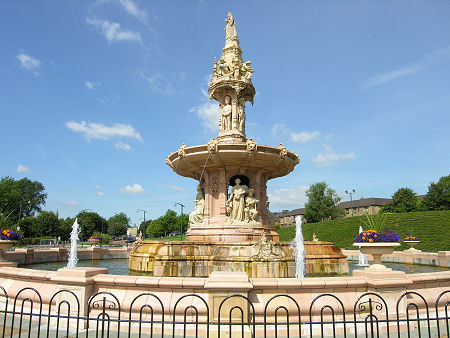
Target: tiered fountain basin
x: 258, y: 260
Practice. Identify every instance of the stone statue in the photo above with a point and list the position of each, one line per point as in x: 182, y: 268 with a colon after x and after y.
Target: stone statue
x: 241, y: 114
x: 196, y: 216
x: 251, y: 207
x: 226, y: 114
x: 236, y: 201
x: 230, y: 28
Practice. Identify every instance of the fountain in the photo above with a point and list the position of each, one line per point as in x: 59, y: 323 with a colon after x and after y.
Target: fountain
x: 363, y: 260
x: 72, y: 259
x: 299, y: 249
x: 229, y: 227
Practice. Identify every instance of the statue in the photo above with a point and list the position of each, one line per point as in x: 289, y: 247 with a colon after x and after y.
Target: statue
x: 236, y: 201
x: 241, y: 114
x: 230, y: 28
x: 226, y: 114
x: 196, y: 216
x: 251, y: 205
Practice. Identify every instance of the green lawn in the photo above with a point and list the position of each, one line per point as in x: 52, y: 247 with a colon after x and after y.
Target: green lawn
x: 432, y: 227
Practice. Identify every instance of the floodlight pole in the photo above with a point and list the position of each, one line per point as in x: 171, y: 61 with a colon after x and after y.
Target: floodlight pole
x: 181, y: 226
x: 350, y: 192
x: 145, y: 225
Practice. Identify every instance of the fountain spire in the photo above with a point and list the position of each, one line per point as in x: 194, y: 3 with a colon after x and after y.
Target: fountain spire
x: 231, y: 85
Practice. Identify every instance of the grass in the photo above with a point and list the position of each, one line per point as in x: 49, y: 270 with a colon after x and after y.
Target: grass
x: 432, y: 228
x: 168, y: 238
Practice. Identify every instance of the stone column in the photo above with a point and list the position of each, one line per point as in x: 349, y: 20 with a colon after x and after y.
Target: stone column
x: 220, y: 285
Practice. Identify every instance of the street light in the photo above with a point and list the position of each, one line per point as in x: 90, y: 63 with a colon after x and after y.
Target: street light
x: 351, y: 192
x: 20, y: 214
x: 82, y: 215
x: 145, y: 225
x: 181, y: 226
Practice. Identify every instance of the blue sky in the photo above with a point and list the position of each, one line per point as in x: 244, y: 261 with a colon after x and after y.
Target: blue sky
x: 95, y: 95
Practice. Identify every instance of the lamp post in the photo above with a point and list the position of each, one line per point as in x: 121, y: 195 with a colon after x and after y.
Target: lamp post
x: 20, y: 214
x: 145, y: 225
x: 181, y: 226
x: 82, y: 215
x: 350, y: 192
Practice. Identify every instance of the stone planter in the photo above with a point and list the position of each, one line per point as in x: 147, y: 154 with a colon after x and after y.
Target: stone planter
x: 5, y: 244
x: 377, y: 250
x: 94, y: 242
x: 412, y: 245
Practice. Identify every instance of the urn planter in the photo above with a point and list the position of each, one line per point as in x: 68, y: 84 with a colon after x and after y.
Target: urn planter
x: 412, y: 245
x: 94, y: 242
x: 377, y: 249
x: 5, y: 244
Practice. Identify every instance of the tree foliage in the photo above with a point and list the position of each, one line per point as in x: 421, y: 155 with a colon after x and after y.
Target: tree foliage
x: 24, y: 197
x: 169, y: 223
x: 46, y: 224
x: 321, y: 205
x: 90, y: 222
x: 403, y: 200
x: 438, y: 196
x: 118, y: 224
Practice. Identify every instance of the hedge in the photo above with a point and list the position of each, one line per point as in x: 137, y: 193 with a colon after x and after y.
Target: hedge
x: 432, y: 227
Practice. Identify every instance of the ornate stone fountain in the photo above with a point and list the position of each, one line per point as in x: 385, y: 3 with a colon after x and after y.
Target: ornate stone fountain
x: 229, y: 227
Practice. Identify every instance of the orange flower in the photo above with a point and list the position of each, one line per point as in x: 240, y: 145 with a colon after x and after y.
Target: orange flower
x: 370, y: 240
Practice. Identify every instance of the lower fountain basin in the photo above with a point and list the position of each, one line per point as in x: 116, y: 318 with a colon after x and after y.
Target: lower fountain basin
x: 261, y: 259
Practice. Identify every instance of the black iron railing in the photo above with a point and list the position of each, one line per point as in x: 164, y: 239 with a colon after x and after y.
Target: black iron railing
x: 146, y: 315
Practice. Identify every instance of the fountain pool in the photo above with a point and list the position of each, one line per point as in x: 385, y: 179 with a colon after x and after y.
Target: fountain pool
x: 120, y: 267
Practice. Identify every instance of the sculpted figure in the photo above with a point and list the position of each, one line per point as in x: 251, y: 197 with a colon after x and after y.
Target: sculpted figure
x: 230, y: 28
x: 236, y: 201
x: 251, y: 205
x: 226, y: 114
x: 196, y: 216
x: 241, y: 114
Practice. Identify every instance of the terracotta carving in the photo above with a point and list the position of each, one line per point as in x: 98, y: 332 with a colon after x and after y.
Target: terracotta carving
x: 241, y: 114
x: 236, y: 201
x: 251, y: 207
x: 196, y: 216
x: 226, y: 114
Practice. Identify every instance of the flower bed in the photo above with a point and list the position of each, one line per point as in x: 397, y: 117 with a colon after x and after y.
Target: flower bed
x: 411, y: 238
x: 370, y: 236
x: 9, y: 235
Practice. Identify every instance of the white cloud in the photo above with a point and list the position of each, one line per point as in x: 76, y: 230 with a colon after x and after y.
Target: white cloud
x: 171, y: 187
x: 71, y: 204
x: 159, y: 83
x: 304, y: 136
x: 208, y: 113
x: 287, y: 198
x: 122, y: 146
x: 113, y: 32
x: 301, y: 137
x: 100, y: 131
x: 133, y: 189
x: 28, y: 62
x: 329, y: 158
x: 22, y: 169
x: 423, y: 63
x: 132, y: 9
x: 91, y: 84
x: 100, y: 193
x: 98, y: 186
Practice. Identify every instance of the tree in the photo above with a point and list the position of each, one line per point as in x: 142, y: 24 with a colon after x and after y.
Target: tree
x: 46, y: 224
x: 438, y: 196
x: 321, y: 203
x: 65, y: 228
x: 403, y: 200
x: 118, y: 224
x: 89, y: 223
x: 164, y: 225
x: 24, y: 197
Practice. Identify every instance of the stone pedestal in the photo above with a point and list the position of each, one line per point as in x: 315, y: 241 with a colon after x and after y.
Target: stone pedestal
x: 228, y: 291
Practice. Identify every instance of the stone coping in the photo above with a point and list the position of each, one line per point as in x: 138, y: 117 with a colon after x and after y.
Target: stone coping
x: 99, y: 277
